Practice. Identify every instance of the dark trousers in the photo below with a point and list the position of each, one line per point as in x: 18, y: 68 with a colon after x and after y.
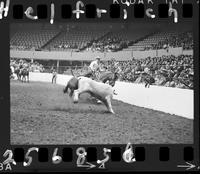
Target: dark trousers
x: 54, y: 79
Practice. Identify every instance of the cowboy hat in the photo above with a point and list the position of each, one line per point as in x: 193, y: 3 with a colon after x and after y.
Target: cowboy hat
x: 97, y: 57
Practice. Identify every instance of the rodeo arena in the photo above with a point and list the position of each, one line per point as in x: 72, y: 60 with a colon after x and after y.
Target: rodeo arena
x: 101, y: 83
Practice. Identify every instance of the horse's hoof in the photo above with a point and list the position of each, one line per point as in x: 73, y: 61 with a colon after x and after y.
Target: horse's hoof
x: 112, y: 112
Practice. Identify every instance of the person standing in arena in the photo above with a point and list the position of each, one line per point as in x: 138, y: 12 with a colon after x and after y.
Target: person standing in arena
x: 54, y: 76
x: 93, y: 68
x: 21, y: 64
x: 11, y: 72
x: 26, y: 65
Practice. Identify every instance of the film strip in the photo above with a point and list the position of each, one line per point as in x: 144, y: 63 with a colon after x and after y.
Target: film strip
x: 129, y: 157
x: 92, y: 158
x: 91, y: 11
x: 117, y: 9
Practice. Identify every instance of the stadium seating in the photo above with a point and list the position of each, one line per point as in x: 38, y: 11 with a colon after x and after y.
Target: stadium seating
x: 32, y: 39
x: 174, y: 71
x: 31, y: 36
x: 160, y: 39
x: 76, y: 37
x: 97, y: 37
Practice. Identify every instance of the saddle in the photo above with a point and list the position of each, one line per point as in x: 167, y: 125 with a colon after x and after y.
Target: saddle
x: 93, y: 75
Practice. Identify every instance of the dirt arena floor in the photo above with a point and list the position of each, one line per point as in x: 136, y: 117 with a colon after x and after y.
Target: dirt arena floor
x: 42, y: 114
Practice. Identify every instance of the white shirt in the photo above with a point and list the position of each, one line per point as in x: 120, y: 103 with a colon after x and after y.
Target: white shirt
x: 146, y: 70
x: 94, y: 65
x: 12, y: 69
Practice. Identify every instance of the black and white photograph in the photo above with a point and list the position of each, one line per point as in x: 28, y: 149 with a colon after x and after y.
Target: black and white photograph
x: 101, y: 83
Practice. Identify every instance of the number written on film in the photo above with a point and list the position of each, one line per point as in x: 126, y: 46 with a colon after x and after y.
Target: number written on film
x: 28, y: 157
x: 6, y: 164
x: 106, y: 159
x: 128, y: 157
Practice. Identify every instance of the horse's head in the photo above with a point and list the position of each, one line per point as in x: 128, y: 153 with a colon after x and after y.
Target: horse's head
x: 65, y: 90
x: 72, y: 85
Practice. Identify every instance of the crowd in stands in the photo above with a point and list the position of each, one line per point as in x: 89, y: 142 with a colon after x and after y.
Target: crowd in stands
x: 18, y: 47
x: 33, y: 66
x: 102, y: 45
x: 102, y: 40
x: 66, y: 46
x: 166, y: 70
x: 108, y: 44
x: 184, y: 40
x: 169, y: 71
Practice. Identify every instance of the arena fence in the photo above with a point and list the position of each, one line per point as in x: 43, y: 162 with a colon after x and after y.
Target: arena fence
x: 170, y: 100
x: 88, y: 56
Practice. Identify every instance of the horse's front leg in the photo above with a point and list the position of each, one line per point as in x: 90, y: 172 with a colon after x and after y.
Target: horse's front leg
x: 108, y: 104
x: 71, y: 92
x: 76, y: 95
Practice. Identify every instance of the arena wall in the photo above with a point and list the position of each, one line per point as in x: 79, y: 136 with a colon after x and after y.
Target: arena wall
x: 88, y: 56
x: 170, y: 100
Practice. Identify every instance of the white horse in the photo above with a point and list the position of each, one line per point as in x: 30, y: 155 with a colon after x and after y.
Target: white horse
x: 99, y: 90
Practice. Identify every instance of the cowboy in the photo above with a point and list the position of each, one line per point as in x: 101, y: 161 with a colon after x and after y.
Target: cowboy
x: 94, y: 67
